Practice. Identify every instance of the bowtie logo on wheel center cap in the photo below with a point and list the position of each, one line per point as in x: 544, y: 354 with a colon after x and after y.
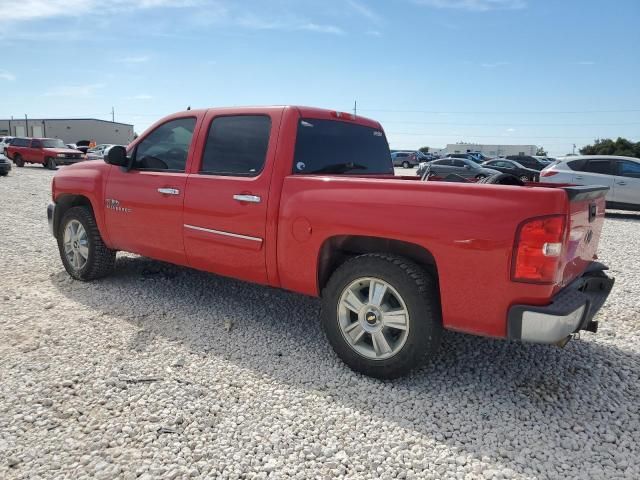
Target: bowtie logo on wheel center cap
x: 371, y: 318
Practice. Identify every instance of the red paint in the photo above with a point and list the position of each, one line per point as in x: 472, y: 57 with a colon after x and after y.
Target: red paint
x: 469, y: 229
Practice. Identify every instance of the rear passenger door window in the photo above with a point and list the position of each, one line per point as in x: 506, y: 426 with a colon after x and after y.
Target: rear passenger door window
x: 166, y: 148
x: 236, y: 145
x: 603, y: 167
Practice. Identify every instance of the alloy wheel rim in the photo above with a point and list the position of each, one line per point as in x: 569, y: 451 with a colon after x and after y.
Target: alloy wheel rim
x: 373, y: 318
x: 76, y: 244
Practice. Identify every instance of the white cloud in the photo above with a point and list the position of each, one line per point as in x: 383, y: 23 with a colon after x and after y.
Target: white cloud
x: 364, y: 10
x: 288, y: 23
x: 475, y: 5
x: 4, y: 75
x: 511, y: 129
x: 16, y: 10
x: 77, y: 91
x: 586, y: 62
x: 134, y: 59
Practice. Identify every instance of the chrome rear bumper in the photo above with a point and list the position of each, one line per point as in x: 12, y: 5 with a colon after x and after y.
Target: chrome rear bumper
x: 570, y: 311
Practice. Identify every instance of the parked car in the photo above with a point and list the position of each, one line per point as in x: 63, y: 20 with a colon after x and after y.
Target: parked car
x: 405, y: 159
x: 4, y: 141
x: 459, y: 166
x: 48, y: 152
x: 283, y: 196
x: 464, y: 156
x: 514, y: 168
x: 620, y: 174
x: 98, y: 152
x: 544, y: 159
x: 528, y: 161
x: 5, y: 165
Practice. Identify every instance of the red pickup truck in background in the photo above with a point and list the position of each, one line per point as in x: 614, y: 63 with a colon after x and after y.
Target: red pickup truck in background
x: 306, y: 200
x: 48, y: 152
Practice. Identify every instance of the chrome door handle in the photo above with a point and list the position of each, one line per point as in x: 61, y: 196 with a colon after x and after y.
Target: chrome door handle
x: 169, y: 191
x: 621, y: 183
x: 578, y: 177
x: 247, y: 198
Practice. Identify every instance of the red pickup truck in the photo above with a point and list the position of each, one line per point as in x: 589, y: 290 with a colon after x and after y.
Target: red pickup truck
x: 306, y: 200
x: 48, y: 152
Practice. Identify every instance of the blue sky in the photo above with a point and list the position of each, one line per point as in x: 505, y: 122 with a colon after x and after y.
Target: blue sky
x: 544, y: 72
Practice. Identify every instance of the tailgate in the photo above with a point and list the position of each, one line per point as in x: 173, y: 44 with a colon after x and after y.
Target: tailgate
x: 586, y: 217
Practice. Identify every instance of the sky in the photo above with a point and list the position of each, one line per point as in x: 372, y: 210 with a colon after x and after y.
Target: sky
x: 545, y: 72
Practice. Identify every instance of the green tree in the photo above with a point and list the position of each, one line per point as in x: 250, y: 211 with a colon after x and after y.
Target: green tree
x: 541, y: 152
x: 424, y: 149
x: 607, y: 146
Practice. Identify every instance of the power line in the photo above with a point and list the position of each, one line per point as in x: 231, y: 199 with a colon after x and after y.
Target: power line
x: 453, y: 124
x: 483, y: 136
x: 505, y: 112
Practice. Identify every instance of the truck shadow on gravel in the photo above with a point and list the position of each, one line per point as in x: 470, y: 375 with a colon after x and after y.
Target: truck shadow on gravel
x: 520, y: 405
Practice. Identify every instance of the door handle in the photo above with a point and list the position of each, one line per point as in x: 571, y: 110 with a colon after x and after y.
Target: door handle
x: 247, y: 198
x: 169, y: 191
x: 621, y: 183
x: 578, y: 177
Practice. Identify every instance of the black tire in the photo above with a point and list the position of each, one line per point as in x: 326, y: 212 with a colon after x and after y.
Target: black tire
x: 480, y: 177
x: 420, y: 295
x: 406, y: 164
x: 524, y: 178
x: 502, y: 179
x: 50, y: 163
x: 17, y: 159
x: 101, y: 259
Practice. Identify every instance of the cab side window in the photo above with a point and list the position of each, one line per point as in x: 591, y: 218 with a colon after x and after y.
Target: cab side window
x: 166, y: 148
x: 237, y: 145
x: 598, y: 166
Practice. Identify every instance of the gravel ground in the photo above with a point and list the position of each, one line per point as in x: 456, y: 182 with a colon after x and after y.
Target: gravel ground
x: 165, y: 372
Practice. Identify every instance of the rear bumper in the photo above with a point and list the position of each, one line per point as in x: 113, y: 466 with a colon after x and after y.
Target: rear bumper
x: 5, y: 167
x: 570, y: 311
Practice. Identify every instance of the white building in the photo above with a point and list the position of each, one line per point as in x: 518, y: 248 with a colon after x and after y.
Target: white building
x: 70, y: 130
x: 491, y: 150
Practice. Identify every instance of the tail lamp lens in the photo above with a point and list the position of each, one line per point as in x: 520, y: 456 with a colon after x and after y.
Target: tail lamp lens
x: 538, y: 249
x: 548, y: 173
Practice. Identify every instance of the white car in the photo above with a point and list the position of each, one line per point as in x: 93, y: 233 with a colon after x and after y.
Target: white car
x: 4, y: 141
x: 620, y: 174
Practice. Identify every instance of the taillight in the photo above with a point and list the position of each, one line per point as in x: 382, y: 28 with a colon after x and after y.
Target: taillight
x: 548, y: 173
x: 343, y: 115
x: 538, y: 249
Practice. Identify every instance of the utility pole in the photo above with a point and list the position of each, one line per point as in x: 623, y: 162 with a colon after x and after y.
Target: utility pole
x: 574, y: 149
x: 355, y: 108
x: 113, y: 115
x: 26, y: 126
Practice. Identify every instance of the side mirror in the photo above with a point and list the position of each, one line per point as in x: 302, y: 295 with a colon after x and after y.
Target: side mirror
x: 468, y: 167
x: 117, y: 156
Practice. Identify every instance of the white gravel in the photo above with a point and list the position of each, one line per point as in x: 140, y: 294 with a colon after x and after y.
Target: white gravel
x: 164, y: 372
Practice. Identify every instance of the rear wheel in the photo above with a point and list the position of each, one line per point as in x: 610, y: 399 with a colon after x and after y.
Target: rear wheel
x: 381, y: 315
x: 406, y: 164
x: 17, y: 159
x: 524, y: 178
x: 82, y: 250
x: 480, y: 177
x: 50, y: 163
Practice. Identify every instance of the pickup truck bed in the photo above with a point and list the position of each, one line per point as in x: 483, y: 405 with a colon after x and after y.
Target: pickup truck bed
x: 305, y: 199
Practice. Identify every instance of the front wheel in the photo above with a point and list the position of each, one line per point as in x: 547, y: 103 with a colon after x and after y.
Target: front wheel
x: 17, y: 159
x: 82, y: 250
x: 381, y: 315
x: 406, y: 164
x: 524, y: 178
x: 480, y: 177
x: 50, y: 163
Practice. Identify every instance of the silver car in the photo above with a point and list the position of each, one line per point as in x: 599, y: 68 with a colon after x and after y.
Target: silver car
x: 459, y: 166
x: 620, y: 174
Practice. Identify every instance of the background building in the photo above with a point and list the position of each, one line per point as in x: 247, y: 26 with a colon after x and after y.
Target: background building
x: 491, y: 150
x: 70, y: 130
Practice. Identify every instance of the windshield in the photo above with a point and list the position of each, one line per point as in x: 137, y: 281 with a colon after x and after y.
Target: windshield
x: 331, y: 146
x: 53, y: 143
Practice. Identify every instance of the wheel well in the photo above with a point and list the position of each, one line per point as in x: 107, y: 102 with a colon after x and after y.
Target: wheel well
x: 64, y: 203
x: 336, y: 250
